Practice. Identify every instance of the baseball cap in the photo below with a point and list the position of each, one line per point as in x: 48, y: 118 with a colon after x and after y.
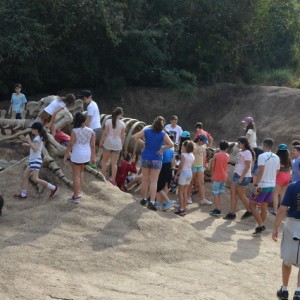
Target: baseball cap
x: 202, y: 137
x: 86, y: 93
x: 185, y: 134
x: 248, y: 120
x: 282, y: 147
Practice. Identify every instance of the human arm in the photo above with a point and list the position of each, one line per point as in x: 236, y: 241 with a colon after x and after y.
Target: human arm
x: 88, y: 121
x: 92, y: 145
x: 212, y: 164
x: 103, y: 136
x: 138, y: 137
x: 211, y: 141
x: 70, y: 146
x: 123, y: 134
x: 180, y: 166
x: 261, y: 169
x: 167, y: 144
x: 34, y: 145
x: 279, y: 217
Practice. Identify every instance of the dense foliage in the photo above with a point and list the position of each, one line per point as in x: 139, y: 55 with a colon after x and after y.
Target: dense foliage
x: 51, y: 44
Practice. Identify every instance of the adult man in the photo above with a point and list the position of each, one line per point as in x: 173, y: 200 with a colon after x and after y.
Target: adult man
x: 174, y: 129
x: 264, y: 185
x: 199, y: 130
x: 93, y: 113
x: 290, y: 243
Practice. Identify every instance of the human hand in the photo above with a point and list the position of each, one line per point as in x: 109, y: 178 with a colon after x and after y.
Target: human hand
x: 27, y: 138
x: 275, y: 235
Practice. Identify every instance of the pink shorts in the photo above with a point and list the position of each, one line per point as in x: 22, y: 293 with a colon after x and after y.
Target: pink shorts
x: 283, y: 178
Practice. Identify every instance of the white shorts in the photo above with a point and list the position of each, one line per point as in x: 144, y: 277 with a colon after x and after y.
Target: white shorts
x: 185, y: 177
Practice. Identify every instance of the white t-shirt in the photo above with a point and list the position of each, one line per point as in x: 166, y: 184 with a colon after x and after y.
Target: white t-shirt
x: 54, y: 106
x: 188, y: 162
x: 176, y: 131
x: 251, y: 135
x: 242, y: 157
x: 272, y: 163
x: 94, y: 113
x: 38, y: 154
x: 113, y: 139
x: 81, y: 150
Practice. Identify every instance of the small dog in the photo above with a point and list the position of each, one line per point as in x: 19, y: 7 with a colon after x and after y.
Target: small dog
x: 1, y: 204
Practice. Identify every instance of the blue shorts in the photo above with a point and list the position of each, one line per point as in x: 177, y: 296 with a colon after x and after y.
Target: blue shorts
x: 245, y: 181
x: 152, y: 164
x: 185, y: 177
x: 197, y: 169
x: 218, y: 187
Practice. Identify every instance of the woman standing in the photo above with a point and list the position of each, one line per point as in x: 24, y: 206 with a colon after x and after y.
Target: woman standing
x: 154, y: 138
x: 112, y: 141
x: 82, y: 145
x: 241, y: 178
x: 283, y: 176
x: 250, y: 131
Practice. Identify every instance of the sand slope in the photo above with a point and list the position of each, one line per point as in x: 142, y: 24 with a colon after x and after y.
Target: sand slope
x: 109, y: 247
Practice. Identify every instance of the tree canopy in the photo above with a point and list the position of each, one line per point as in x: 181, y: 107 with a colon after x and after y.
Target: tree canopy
x: 52, y: 44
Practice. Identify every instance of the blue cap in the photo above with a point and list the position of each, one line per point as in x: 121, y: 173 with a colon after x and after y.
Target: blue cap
x: 185, y: 134
x: 202, y: 137
x: 282, y: 147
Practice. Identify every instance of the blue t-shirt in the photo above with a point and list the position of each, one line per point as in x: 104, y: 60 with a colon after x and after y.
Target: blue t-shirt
x: 292, y: 199
x: 296, y: 169
x: 168, y: 155
x: 153, y: 142
x: 17, y: 102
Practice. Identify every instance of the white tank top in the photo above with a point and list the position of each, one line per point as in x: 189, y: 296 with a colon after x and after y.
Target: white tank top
x: 189, y: 159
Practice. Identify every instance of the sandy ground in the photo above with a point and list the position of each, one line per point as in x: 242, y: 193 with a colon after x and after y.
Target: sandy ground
x: 110, y: 247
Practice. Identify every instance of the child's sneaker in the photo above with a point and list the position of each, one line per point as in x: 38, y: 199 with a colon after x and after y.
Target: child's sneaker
x: 144, y: 202
x: 19, y: 196
x: 189, y: 201
x: 283, y: 295
x: 74, y: 200
x: 296, y: 295
x: 158, y: 205
x: 53, y: 192
x: 259, y: 230
x: 176, y: 204
x: 181, y: 212
x: 151, y: 206
x: 168, y: 205
x: 215, y: 212
x: 205, y: 202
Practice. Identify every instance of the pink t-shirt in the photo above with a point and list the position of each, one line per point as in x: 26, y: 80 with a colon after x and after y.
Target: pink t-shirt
x: 220, y: 167
x: 242, y: 157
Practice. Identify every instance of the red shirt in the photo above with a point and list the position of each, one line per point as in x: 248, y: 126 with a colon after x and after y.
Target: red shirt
x: 219, y: 173
x: 61, y: 137
x: 123, y: 169
x: 201, y: 131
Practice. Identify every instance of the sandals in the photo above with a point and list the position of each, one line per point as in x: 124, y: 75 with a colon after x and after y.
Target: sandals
x: 19, y: 196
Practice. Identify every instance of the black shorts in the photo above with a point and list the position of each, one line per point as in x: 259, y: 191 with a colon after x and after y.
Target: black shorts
x: 165, y: 176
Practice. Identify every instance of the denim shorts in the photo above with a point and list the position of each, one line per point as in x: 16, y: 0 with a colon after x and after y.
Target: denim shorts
x: 245, y: 181
x: 185, y: 177
x: 218, y: 187
x: 197, y: 169
x: 151, y: 164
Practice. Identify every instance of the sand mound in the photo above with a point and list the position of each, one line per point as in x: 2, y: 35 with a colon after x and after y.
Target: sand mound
x: 109, y: 247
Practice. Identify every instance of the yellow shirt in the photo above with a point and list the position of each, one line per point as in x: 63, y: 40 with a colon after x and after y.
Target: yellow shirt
x: 198, y: 153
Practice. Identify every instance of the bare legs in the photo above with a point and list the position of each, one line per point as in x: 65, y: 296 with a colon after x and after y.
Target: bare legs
x: 149, y: 182
x: 183, y: 195
x: 259, y: 217
x: 279, y: 191
x: 113, y: 156
x: 77, y: 175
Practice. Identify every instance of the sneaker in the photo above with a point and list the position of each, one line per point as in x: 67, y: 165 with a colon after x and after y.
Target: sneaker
x: 168, y: 205
x: 144, y: 202
x: 296, y: 295
x: 158, y: 205
x: 247, y: 214
x: 151, y: 206
x: 205, y: 202
x: 283, y: 295
x: 176, y: 204
x: 53, y: 192
x: 19, y: 196
x: 173, y: 189
x: 216, y: 212
x: 189, y: 201
x: 180, y: 212
x: 230, y: 216
x: 74, y: 200
x: 259, y: 229
x: 274, y: 213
